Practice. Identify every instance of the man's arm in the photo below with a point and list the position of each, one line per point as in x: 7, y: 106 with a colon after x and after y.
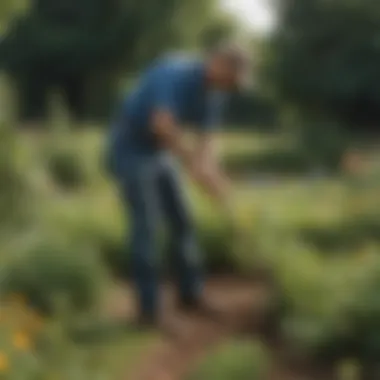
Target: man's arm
x: 206, y: 149
x: 164, y: 117
x: 207, y: 160
x: 164, y: 126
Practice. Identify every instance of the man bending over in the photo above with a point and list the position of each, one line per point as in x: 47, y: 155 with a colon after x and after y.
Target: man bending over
x: 146, y: 145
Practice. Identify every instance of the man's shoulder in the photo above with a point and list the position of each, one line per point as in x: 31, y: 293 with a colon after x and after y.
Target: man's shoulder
x: 178, y: 62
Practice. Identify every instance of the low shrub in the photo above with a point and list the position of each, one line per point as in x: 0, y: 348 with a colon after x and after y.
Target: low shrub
x: 215, y: 251
x: 357, y: 337
x: 278, y: 161
x: 14, y: 186
x: 347, y: 236
x: 331, y: 306
x: 66, y: 168
x: 38, y: 348
x: 216, y: 247
x: 364, y: 312
x: 49, y: 271
x: 238, y: 360
x: 103, y: 227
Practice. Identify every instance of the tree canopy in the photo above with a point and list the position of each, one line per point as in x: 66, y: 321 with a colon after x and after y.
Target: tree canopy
x: 81, y: 44
x: 326, y: 59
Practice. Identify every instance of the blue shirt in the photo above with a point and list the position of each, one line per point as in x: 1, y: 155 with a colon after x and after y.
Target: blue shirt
x: 176, y: 84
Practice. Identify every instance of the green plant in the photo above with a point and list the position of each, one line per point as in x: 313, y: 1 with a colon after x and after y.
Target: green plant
x: 364, y: 311
x: 14, y: 188
x: 49, y: 270
x: 347, y: 236
x: 238, y: 360
x: 38, y: 348
x: 66, y: 167
x: 279, y: 161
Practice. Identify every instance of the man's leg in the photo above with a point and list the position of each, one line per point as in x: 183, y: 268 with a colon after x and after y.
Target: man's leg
x: 185, y: 250
x: 140, y: 194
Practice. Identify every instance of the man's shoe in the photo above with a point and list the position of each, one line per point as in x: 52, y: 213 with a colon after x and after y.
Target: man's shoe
x: 188, y: 304
x: 199, y: 308
x: 146, y: 322
x: 156, y: 325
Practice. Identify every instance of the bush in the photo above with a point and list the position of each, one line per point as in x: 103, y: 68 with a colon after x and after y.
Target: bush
x: 103, y: 227
x: 66, y: 167
x: 331, y: 312
x: 310, y: 296
x: 364, y: 312
x: 234, y: 360
x: 37, y: 348
x: 214, y: 245
x: 14, y: 187
x: 321, y: 141
x: 97, y: 225
x: 49, y: 271
x: 357, y: 337
x: 278, y: 161
x: 348, y: 236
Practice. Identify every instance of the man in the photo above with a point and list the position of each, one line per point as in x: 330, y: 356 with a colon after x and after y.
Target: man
x: 145, y: 137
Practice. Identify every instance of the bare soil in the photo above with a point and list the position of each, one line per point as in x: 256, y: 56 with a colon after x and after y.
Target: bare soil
x: 241, y: 305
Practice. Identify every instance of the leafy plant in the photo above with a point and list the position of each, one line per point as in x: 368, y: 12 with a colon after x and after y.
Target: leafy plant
x: 66, y: 168
x: 49, y: 270
x: 234, y: 360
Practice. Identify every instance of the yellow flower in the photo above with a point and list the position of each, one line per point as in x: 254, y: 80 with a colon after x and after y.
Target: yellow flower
x: 4, y: 362
x: 34, y: 322
x: 21, y: 341
x: 18, y: 299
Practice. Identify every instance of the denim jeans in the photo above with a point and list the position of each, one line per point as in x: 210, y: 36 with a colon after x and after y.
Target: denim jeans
x: 151, y: 191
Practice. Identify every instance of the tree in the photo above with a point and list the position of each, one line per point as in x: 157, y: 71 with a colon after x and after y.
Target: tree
x: 218, y: 29
x: 80, y: 46
x: 326, y: 58
x: 324, y: 67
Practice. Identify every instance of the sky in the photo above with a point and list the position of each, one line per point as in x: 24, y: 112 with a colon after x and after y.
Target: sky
x: 254, y: 14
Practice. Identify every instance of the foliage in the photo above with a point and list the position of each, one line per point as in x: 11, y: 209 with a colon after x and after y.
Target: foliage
x: 252, y: 110
x: 56, y: 260
x: 322, y: 69
x: 83, y: 47
x: 66, y: 168
x: 284, y: 161
x: 15, y: 192
x: 38, y: 348
x: 349, y: 235
x: 238, y: 360
x: 325, y: 58
x: 51, y: 270
x: 218, y: 30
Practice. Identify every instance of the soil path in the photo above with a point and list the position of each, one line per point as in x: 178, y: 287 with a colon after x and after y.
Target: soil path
x: 172, y: 358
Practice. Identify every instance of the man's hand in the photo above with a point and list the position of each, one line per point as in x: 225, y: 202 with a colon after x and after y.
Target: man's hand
x: 211, y: 181
x: 200, y: 162
x: 220, y: 190
x: 205, y: 166
x: 165, y: 129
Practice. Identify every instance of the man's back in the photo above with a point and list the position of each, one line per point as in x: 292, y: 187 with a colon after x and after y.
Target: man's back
x: 176, y: 83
